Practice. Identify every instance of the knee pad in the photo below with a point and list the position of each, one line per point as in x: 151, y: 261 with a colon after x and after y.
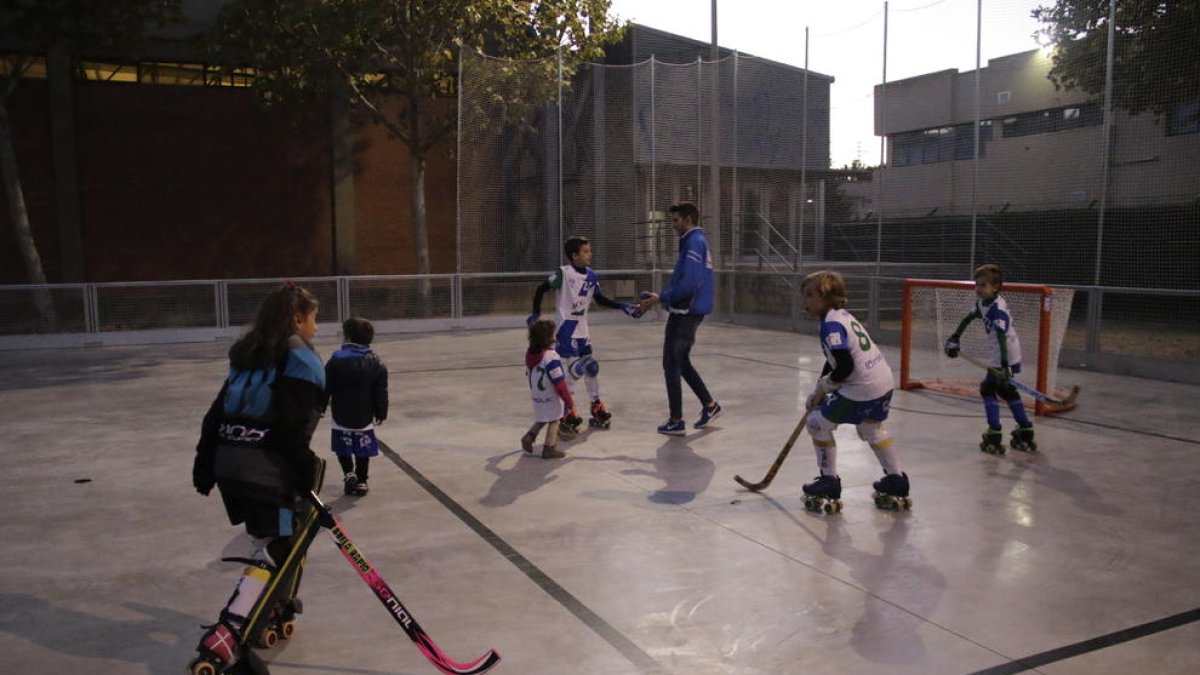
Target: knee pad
x: 820, y: 428
x: 875, y: 435
x: 585, y: 365
x: 987, y: 388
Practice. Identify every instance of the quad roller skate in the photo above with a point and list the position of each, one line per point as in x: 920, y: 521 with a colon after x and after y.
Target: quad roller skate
x: 891, y: 492
x: 1022, y: 439
x: 220, y: 653
x: 823, y: 495
x: 993, y: 442
x: 568, y: 426
x: 281, y: 624
x: 601, y: 418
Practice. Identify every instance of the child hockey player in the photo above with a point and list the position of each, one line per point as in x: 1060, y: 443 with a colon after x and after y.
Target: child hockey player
x: 547, y: 389
x: 855, y: 387
x: 575, y: 286
x: 254, y: 446
x: 1004, y: 361
x: 357, y: 383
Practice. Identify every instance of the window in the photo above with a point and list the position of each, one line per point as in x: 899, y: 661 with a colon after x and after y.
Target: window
x: 1052, y: 120
x: 1184, y: 118
x: 939, y: 144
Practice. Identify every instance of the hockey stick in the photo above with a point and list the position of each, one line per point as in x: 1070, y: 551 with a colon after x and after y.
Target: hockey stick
x: 762, y: 484
x: 397, y: 609
x: 1044, y: 398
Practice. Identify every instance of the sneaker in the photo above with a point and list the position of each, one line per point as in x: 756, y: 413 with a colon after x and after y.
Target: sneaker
x: 362, y: 488
x: 351, y: 483
x: 551, y: 452
x: 707, y: 415
x: 672, y: 428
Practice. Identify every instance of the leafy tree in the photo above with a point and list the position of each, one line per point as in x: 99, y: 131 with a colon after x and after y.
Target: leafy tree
x: 380, y: 52
x: 33, y: 28
x: 1157, y: 50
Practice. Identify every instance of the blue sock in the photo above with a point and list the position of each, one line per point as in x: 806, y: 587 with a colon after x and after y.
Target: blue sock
x: 1018, y: 412
x: 991, y: 406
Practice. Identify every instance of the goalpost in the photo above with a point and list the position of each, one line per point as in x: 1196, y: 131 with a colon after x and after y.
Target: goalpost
x: 932, y: 309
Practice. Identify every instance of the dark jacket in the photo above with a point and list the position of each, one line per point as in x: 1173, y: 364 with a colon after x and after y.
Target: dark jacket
x: 357, y: 384
x: 254, y: 440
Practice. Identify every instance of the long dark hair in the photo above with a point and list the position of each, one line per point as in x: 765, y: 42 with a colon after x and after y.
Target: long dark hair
x: 266, y: 341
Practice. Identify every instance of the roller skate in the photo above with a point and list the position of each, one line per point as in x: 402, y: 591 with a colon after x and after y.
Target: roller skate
x: 219, y: 653
x: 601, y: 418
x: 823, y: 495
x: 993, y: 442
x: 281, y: 624
x: 1022, y: 439
x: 350, y: 484
x: 568, y: 426
x: 891, y: 492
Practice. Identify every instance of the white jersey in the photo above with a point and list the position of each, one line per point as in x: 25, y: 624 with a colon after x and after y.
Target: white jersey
x: 547, y: 406
x: 572, y: 298
x: 871, y: 377
x: 996, y: 318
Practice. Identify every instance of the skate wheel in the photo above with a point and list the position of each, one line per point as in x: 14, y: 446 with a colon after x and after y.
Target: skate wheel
x: 287, y: 630
x: 268, y: 639
x: 202, y: 667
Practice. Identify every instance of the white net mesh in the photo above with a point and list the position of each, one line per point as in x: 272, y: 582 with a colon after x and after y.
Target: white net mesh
x: 935, y: 312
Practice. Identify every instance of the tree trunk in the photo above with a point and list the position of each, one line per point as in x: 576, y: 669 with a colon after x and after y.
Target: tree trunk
x: 420, y: 224
x: 19, y: 216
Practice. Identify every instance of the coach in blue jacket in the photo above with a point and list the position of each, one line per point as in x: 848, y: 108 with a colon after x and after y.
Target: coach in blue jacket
x: 688, y: 299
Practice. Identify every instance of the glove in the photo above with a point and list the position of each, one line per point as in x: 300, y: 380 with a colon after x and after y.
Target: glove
x: 325, y: 517
x: 202, y: 476
x: 532, y: 319
x: 572, y: 418
x: 952, y: 346
x: 825, y: 386
x: 1002, y: 374
x: 304, y: 475
x: 632, y: 310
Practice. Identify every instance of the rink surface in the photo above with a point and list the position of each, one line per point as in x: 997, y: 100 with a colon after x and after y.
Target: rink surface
x: 636, y: 554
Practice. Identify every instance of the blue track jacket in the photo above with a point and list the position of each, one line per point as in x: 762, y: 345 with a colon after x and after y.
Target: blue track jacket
x: 691, y: 290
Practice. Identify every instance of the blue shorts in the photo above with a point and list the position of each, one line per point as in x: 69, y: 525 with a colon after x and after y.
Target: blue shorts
x: 355, y: 443
x: 572, y: 347
x: 844, y: 411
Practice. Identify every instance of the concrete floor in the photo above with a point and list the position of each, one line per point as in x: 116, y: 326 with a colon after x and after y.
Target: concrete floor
x: 636, y: 554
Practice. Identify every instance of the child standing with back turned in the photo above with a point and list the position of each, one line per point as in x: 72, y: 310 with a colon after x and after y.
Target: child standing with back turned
x: 1004, y: 361
x: 358, y: 395
x: 855, y: 387
x: 547, y: 389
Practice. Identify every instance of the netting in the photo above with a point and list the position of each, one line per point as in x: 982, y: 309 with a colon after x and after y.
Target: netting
x: 605, y: 156
x: 1039, y: 316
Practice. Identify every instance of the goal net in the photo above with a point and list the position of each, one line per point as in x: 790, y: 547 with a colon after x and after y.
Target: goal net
x: 932, y: 310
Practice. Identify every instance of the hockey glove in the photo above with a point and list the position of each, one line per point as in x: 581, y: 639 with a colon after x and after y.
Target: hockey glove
x: 304, y: 474
x: 202, y: 476
x: 632, y: 310
x: 825, y: 386
x: 532, y: 319
x: 325, y: 517
x: 1002, y: 374
x: 952, y: 346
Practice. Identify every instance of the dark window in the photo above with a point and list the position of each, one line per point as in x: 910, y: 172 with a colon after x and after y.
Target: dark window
x: 1184, y: 118
x: 1052, y: 120
x: 940, y: 144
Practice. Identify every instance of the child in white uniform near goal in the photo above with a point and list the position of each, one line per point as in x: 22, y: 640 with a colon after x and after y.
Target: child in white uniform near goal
x: 855, y: 387
x: 575, y: 286
x: 547, y: 389
x: 1004, y: 361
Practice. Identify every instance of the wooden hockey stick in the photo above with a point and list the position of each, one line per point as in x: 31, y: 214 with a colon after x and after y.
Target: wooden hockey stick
x: 762, y: 484
x: 1044, y: 398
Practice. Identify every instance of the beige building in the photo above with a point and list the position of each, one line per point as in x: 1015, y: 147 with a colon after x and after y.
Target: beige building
x: 1041, y: 148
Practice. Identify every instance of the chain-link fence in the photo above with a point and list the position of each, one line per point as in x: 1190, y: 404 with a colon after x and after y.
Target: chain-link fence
x: 982, y: 154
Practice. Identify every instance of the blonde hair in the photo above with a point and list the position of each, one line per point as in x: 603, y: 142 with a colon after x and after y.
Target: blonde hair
x: 992, y: 274
x: 830, y: 287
